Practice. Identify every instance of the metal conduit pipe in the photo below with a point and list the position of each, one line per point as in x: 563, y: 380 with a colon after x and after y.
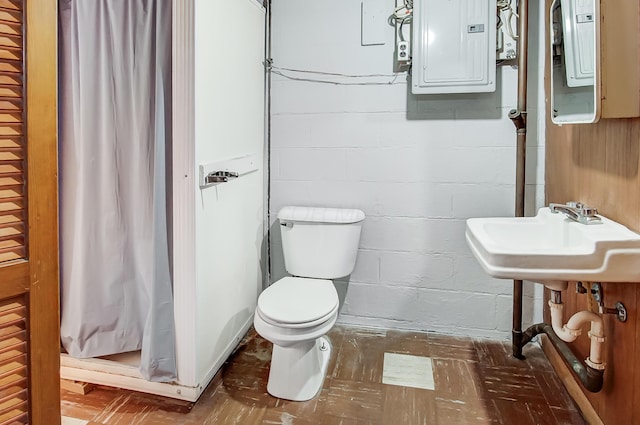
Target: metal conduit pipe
x: 592, y: 379
x: 519, y: 118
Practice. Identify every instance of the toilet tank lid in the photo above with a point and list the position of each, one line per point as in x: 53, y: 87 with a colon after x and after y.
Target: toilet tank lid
x: 321, y: 215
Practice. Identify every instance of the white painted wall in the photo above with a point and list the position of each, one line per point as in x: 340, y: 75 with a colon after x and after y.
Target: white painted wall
x: 418, y: 166
x: 229, y: 218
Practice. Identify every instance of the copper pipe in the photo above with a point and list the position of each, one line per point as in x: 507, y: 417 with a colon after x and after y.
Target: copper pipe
x: 519, y: 118
x: 519, y: 115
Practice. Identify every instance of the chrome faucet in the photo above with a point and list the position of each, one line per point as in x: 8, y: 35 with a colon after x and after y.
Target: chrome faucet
x: 577, y: 211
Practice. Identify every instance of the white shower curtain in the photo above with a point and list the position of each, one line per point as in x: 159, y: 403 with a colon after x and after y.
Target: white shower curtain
x: 115, y: 86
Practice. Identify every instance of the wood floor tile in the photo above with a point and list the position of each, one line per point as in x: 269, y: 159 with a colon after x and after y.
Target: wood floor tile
x: 354, y: 400
x: 124, y: 410
x: 534, y: 356
x: 247, y: 382
x: 476, y: 412
x: 336, y: 338
x: 476, y: 382
x: 253, y: 350
x: 449, y: 347
x: 279, y: 417
x: 498, y: 353
x: 404, y: 405
x: 567, y: 417
x: 512, y: 384
x: 231, y: 411
x: 414, y: 343
x: 333, y: 420
x: 457, y: 377
x: 541, y: 414
x: 296, y: 411
x: 361, y: 356
x: 554, y: 391
x: 510, y: 412
x: 85, y: 407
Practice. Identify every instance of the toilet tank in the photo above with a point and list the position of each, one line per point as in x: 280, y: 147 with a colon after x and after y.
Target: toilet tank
x: 320, y: 242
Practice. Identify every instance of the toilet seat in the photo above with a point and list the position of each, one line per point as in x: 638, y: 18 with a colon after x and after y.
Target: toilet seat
x: 296, y: 302
x: 297, y: 325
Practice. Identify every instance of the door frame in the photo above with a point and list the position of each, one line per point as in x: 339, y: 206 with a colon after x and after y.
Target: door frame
x: 42, y: 189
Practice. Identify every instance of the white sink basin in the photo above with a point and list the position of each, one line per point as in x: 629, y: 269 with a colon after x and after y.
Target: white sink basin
x: 551, y: 248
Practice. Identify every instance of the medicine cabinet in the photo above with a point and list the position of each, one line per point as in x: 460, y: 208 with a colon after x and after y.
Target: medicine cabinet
x: 575, y: 76
x: 594, y: 56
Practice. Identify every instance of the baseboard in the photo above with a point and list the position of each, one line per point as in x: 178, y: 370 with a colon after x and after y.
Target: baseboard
x: 573, y: 388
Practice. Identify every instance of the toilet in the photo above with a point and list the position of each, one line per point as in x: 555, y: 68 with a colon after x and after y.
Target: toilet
x: 296, y: 312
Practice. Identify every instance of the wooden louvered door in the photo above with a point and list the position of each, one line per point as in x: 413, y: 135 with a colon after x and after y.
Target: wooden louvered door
x: 12, y: 146
x: 29, y: 295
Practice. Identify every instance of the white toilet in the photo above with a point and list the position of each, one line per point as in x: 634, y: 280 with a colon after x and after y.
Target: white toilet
x: 295, y: 312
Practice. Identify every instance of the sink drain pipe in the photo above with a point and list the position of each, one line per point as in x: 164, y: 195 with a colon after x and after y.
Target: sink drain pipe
x: 591, y: 372
x: 519, y: 118
x: 591, y: 378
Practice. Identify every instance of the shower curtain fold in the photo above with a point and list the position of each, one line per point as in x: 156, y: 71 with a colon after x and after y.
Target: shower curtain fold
x: 115, y: 114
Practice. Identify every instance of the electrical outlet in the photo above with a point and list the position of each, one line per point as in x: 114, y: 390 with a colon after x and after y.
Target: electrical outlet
x: 402, y: 51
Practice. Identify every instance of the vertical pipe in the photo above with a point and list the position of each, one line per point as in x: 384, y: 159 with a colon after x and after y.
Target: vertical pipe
x: 519, y: 117
x: 516, y: 331
x: 523, y: 47
x: 267, y: 56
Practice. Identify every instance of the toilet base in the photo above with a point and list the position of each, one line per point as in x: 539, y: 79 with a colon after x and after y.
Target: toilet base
x: 297, y: 372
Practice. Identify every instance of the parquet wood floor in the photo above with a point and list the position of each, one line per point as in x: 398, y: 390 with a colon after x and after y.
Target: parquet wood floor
x: 476, y: 382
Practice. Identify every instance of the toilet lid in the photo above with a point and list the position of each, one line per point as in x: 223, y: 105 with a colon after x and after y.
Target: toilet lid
x: 298, y: 300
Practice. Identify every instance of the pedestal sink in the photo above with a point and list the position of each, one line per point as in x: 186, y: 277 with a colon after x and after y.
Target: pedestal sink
x: 550, y: 248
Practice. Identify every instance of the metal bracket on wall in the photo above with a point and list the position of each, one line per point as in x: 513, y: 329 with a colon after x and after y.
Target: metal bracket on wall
x: 619, y: 310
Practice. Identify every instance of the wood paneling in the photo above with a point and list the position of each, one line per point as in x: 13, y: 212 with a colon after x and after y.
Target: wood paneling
x: 620, y: 58
x: 599, y: 164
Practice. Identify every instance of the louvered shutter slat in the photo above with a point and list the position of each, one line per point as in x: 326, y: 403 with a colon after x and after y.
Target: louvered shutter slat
x: 14, y: 378
x: 12, y: 153
x: 14, y: 394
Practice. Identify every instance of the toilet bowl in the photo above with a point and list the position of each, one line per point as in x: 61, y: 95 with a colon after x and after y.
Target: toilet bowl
x: 300, y: 354
x: 296, y: 312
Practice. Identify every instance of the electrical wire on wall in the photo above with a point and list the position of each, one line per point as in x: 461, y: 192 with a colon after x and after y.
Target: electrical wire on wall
x: 402, y: 15
x: 505, y: 7
x: 290, y: 74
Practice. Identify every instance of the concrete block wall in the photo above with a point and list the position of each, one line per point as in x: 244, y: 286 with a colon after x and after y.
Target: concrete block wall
x: 418, y: 166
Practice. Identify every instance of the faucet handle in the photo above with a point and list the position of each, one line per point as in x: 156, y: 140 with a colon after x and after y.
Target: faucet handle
x: 588, y: 211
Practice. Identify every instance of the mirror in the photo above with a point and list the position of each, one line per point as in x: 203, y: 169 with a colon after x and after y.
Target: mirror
x: 574, y: 51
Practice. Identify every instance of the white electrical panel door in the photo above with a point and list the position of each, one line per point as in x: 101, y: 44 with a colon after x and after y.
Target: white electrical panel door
x: 454, y: 46
x: 579, y: 28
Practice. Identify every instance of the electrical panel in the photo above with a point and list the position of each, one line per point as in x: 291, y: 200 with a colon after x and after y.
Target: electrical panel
x: 454, y: 46
x: 578, y: 34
